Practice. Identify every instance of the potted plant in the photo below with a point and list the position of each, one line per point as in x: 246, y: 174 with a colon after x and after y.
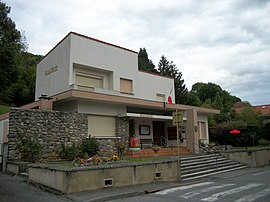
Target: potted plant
x: 211, y: 145
x: 156, y: 148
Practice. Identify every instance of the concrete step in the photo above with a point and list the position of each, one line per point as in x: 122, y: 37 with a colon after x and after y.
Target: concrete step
x: 200, y: 157
x: 185, y: 178
x: 194, y: 167
x: 23, y: 174
x: 199, y: 168
x: 211, y: 170
x: 201, y: 161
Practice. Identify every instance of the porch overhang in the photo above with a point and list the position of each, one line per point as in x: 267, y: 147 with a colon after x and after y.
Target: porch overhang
x: 128, y: 101
x: 148, y: 116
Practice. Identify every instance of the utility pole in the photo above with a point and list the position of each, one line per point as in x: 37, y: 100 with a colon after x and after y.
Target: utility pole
x: 177, y: 121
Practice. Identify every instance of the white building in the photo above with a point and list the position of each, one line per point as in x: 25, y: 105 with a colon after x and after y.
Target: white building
x: 85, y: 75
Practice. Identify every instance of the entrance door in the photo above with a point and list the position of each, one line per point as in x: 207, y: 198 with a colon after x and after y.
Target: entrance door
x: 158, y: 131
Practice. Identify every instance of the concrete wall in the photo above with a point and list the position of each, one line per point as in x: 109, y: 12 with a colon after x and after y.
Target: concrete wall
x: 192, y: 139
x: 150, y: 85
x: 3, y: 130
x: 53, y: 72
x: 90, y: 178
x: 96, y: 108
x: 123, y: 63
x: 56, y: 72
x: 253, y: 158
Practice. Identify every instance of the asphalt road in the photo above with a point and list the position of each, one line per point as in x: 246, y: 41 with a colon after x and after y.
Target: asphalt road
x: 16, y: 189
x: 251, y: 184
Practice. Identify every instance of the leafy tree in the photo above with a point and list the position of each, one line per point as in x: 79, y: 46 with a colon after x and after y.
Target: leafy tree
x: 144, y: 63
x: 250, y: 116
x: 22, y: 91
x: 10, y: 48
x: 206, y: 91
x: 193, y: 99
x: 17, y: 72
x: 169, y: 69
x: 218, y: 102
x: 207, y: 103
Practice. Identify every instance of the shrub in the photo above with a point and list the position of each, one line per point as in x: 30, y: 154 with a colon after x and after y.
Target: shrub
x: 264, y: 142
x: 90, y: 146
x: 29, y: 150
x: 69, y: 152
x: 120, y: 145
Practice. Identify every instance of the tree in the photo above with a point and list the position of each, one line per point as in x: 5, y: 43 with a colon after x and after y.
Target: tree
x: 144, y: 63
x: 250, y: 116
x: 193, y: 99
x: 10, y: 48
x: 206, y: 91
x: 22, y: 91
x: 169, y: 69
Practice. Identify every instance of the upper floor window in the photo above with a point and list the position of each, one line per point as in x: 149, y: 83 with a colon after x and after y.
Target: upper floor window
x: 89, y: 80
x: 125, y: 85
x: 161, y: 97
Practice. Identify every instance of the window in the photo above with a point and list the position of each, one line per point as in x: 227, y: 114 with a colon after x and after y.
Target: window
x: 89, y: 80
x: 101, y: 126
x: 160, y: 97
x: 125, y: 85
x: 202, y: 130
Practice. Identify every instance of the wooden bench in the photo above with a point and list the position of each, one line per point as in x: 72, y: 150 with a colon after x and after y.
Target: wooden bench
x: 146, y: 143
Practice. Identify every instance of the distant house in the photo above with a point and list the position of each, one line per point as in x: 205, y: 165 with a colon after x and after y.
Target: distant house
x: 85, y: 75
x: 265, y: 112
x: 263, y: 109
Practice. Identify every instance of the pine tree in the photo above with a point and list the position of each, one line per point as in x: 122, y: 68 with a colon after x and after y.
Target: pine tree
x: 144, y: 63
x: 169, y: 69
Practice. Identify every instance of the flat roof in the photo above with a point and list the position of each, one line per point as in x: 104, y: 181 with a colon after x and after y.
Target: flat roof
x: 89, y: 38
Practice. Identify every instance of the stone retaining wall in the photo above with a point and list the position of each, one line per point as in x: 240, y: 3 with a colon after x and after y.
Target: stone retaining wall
x: 49, y: 128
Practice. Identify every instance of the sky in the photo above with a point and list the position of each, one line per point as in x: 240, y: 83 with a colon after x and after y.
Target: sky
x: 226, y: 42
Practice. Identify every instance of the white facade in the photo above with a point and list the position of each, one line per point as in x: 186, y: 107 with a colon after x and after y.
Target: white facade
x: 77, y: 60
x: 88, y: 65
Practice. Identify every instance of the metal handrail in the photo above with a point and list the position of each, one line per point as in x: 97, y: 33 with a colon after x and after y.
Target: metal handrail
x: 163, y: 141
x: 207, y: 151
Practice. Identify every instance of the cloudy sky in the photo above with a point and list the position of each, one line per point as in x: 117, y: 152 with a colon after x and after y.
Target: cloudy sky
x: 226, y: 42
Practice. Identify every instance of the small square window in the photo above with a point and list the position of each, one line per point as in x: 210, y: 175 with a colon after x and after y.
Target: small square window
x: 125, y: 85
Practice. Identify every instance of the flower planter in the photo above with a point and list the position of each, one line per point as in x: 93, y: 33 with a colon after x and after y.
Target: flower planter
x: 156, y: 149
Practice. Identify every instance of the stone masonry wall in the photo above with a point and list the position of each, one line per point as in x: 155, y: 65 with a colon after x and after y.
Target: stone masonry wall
x: 122, y: 128
x: 50, y: 128
x: 107, y: 145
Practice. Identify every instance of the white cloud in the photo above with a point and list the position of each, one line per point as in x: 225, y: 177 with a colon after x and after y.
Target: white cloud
x: 225, y: 41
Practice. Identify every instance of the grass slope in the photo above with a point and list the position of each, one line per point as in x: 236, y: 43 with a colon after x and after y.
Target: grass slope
x: 4, y: 109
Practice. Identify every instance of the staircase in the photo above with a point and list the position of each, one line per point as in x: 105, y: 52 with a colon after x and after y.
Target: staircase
x: 194, y: 167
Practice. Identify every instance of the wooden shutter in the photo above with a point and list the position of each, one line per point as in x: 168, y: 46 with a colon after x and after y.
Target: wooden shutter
x: 125, y: 85
x: 89, y: 81
x: 101, y: 126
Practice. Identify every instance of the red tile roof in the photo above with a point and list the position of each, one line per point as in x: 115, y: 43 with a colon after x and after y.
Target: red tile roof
x: 265, y: 109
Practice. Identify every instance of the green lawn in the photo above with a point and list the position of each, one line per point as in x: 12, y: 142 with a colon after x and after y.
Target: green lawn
x: 138, y: 160
x: 4, y: 109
